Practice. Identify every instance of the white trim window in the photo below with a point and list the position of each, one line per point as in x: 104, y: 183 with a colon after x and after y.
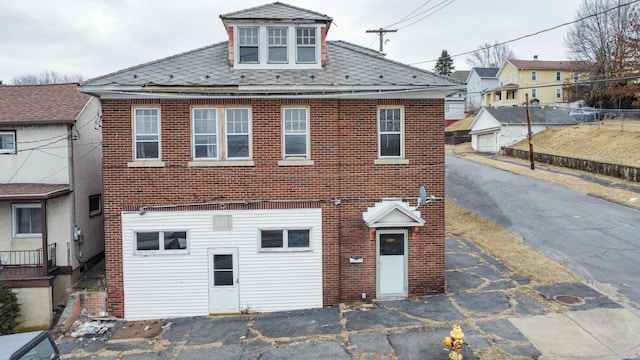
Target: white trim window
x: 248, y: 44
x: 559, y: 93
x: 390, y: 132
x: 168, y: 242
x: 277, y: 45
x: 558, y: 75
x: 7, y: 142
x: 238, y: 135
x: 306, y: 45
x: 146, y: 133
x: 205, y: 133
x: 534, y: 93
x: 534, y: 75
x: 285, y: 239
x: 295, y: 125
x: 27, y: 220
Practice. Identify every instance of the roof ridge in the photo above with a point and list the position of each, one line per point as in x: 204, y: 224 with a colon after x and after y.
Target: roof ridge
x: 384, y: 58
x: 154, y: 62
x: 223, y: 16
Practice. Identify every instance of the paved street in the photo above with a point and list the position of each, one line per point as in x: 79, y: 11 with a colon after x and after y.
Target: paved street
x: 495, y: 307
x: 595, y: 239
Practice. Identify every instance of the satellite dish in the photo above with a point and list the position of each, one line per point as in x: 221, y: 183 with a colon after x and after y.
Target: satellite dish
x: 422, y: 195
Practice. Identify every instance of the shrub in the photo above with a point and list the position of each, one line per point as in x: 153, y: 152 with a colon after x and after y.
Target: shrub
x: 9, y: 309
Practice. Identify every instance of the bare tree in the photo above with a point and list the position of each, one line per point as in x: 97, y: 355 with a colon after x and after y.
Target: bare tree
x: 47, y: 77
x: 604, y: 38
x: 490, y: 55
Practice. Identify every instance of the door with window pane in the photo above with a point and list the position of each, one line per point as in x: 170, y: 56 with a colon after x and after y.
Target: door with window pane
x: 223, y: 281
x: 392, y: 263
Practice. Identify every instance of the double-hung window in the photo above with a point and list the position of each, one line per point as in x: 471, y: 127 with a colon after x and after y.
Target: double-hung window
x: 559, y: 93
x: 205, y: 133
x: 390, y: 139
x: 7, y: 142
x: 161, y: 242
x: 27, y: 220
x: 277, y: 41
x: 558, y: 75
x: 238, y: 135
x: 296, y: 132
x: 306, y: 45
x: 147, y: 133
x: 534, y: 93
x: 534, y: 75
x: 248, y: 40
x: 286, y: 239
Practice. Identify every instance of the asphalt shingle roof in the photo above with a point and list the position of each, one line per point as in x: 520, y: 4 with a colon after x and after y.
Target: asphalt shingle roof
x: 538, y: 115
x: 552, y: 65
x: 486, y: 72
x: 276, y: 10
x: 40, y: 104
x: 347, y: 65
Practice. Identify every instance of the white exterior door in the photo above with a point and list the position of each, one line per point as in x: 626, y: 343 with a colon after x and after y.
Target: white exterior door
x: 392, y: 263
x: 223, y: 281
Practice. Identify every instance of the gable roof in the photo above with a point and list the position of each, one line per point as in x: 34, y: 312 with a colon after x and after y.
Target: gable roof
x: 348, y: 66
x: 486, y: 72
x: 460, y: 75
x: 40, y: 104
x: 390, y: 213
x: 548, y: 65
x: 516, y: 115
x: 276, y: 11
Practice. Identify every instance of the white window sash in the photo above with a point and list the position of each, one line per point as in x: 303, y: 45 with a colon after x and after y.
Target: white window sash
x: 290, y: 132
x: 140, y: 136
x: 212, y: 149
x: 399, y: 133
x: 11, y: 135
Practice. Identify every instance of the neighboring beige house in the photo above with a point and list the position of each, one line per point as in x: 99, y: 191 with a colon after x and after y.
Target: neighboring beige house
x: 546, y: 82
x: 50, y: 193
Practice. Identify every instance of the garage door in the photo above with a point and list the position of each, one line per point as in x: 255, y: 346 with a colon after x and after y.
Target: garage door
x: 487, y: 143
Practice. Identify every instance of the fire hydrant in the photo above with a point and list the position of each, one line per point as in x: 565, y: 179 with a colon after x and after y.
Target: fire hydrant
x: 455, y: 342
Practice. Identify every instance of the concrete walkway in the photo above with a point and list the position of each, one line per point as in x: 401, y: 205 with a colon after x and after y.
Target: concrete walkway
x: 503, y: 315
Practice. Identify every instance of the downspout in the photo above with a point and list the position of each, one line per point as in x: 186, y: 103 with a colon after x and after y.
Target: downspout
x: 45, y: 242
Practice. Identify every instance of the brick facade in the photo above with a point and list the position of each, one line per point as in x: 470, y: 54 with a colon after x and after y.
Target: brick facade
x: 343, y: 137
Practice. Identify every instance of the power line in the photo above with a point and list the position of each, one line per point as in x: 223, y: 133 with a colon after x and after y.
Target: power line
x: 536, y: 33
x: 448, y: 2
x: 407, y: 16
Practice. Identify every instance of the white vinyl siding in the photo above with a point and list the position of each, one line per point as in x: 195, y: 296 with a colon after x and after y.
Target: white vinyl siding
x: 177, y: 285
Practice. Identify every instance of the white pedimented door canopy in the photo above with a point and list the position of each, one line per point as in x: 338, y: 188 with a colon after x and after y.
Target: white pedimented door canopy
x: 392, y: 214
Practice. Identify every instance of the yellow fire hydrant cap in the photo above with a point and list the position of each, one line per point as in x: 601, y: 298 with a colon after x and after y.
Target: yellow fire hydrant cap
x: 456, y: 332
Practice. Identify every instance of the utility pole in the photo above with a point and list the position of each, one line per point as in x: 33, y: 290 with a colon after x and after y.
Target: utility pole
x: 533, y: 166
x: 381, y: 33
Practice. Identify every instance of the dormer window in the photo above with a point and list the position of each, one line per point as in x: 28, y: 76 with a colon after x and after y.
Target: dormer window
x: 248, y: 41
x: 277, y: 40
x: 306, y: 45
x: 277, y: 46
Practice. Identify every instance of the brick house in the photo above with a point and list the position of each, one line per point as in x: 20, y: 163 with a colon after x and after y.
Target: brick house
x: 274, y: 171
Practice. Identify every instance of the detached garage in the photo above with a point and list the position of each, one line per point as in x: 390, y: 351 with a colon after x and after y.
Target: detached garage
x: 495, y: 127
x: 190, y: 263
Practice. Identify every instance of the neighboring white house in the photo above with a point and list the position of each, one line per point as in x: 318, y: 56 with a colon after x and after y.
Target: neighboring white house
x: 495, y: 127
x: 50, y: 193
x: 479, y: 80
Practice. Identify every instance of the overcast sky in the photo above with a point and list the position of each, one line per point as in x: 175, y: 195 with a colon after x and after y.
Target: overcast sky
x: 96, y: 37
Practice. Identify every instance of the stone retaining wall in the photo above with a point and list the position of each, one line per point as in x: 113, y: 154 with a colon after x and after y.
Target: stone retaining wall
x: 629, y: 173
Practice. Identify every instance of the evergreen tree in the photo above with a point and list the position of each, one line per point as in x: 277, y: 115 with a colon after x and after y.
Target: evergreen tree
x: 9, y: 309
x: 444, y: 66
